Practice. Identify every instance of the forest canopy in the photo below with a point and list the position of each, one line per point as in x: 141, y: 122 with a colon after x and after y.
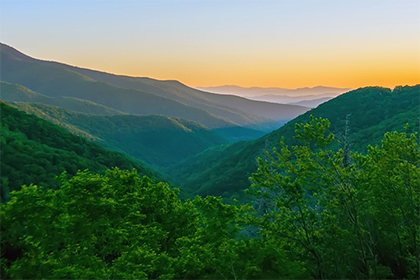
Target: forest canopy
x: 35, y: 151
x: 316, y: 213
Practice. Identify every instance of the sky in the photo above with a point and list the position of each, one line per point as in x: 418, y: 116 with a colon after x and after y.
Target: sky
x: 273, y: 43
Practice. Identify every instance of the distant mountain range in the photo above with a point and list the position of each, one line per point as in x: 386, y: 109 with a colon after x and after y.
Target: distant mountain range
x: 140, y: 96
x: 306, y: 96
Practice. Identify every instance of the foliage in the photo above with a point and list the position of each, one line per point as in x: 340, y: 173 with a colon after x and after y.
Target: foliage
x: 198, y: 175
x: 94, y: 226
x: 366, y: 113
x: 157, y: 140
x: 36, y: 151
x: 317, y: 213
x: 344, y: 219
x: 121, y: 226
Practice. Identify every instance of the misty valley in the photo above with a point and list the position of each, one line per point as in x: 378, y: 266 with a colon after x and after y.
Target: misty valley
x: 108, y: 176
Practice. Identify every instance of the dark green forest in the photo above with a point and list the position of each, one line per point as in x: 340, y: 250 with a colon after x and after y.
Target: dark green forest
x: 317, y: 212
x: 365, y: 115
x: 158, y: 140
x: 34, y: 151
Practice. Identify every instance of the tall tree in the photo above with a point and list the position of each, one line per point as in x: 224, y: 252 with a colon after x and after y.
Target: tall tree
x: 325, y: 204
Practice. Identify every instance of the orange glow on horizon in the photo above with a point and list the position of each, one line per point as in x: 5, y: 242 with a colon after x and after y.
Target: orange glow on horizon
x: 294, y: 70
x: 287, y: 44
x: 352, y: 76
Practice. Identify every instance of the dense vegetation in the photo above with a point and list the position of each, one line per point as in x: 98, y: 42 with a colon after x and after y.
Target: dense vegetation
x: 158, y: 140
x: 366, y: 114
x: 36, y: 151
x: 13, y: 92
x: 350, y: 215
x: 318, y: 213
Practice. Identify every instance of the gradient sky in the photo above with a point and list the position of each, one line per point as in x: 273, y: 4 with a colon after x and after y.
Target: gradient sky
x: 290, y: 44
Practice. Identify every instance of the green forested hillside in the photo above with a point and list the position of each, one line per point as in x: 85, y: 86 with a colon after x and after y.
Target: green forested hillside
x: 35, y: 151
x: 316, y: 214
x: 18, y: 94
x: 13, y: 92
x: 158, y: 140
x: 370, y: 113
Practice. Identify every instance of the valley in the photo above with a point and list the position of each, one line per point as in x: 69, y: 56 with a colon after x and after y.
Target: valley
x: 119, y: 177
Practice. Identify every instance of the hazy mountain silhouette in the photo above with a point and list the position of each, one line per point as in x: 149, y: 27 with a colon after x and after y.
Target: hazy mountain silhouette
x: 141, y: 96
x: 13, y: 92
x: 312, y: 103
x: 279, y: 95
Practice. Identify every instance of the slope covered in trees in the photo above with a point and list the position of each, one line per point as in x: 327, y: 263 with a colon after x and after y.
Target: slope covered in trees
x: 317, y: 214
x: 367, y: 112
x: 36, y: 151
x: 13, y: 92
x: 350, y: 215
x: 158, y: 140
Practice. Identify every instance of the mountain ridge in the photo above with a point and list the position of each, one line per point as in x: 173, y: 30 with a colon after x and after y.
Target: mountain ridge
x: 225, y: 89
x: 372, y: 112
x: 305, y: 96
x: 170, y: 98
x: 18, y: 93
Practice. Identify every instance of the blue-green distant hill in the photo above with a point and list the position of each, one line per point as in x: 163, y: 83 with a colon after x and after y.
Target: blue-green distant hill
x: 370, y: 111
x: 142, y: 96
x: 13, y: 92
x: 158, y: 140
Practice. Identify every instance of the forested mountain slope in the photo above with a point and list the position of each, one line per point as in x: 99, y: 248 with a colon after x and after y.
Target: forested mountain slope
x: 13, y: 92
x: 158, y: 140
x: 35, y: 151
x: 167, y: 98
x: 316, y: 214
x: 370, y: 112
x: 18, y: 93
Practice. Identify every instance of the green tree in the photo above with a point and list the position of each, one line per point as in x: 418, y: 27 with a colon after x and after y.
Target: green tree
x: 122, y: 226
x: 324, y: 205
x: 95, y: 227
x: 221, y: 249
